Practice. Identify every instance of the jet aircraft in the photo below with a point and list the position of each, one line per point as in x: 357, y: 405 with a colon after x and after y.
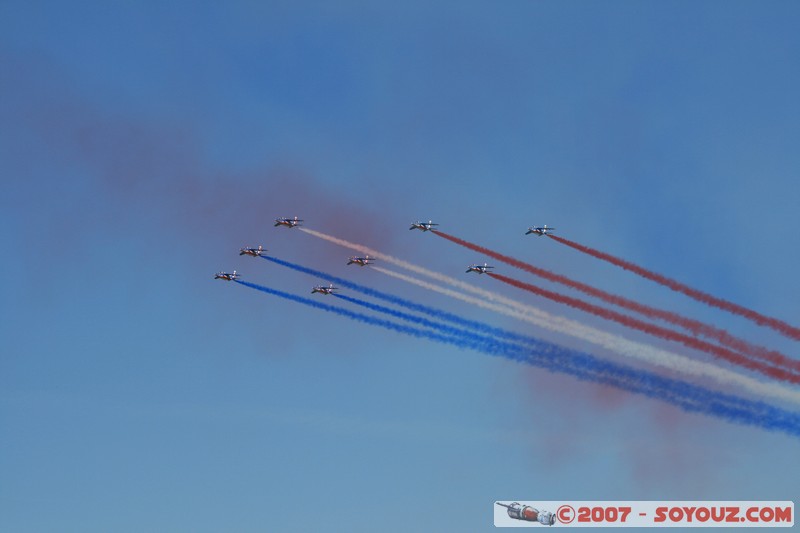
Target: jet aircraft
x: 539, y: 230
x: 480, y: 269
x: 360, y: 261
x: 227, y: 276
x: 288, y: 222
x: 255, y: 252
x: 424, y: 226
x: 324, y: 290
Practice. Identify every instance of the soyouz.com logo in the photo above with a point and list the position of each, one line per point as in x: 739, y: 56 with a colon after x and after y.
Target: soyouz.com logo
x: 644, y: 514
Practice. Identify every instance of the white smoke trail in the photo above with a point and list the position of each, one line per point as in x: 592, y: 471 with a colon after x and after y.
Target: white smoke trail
x: 509, y: 307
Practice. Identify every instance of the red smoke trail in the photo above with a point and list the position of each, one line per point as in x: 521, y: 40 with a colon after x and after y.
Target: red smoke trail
x: 695, y: 326
x: 654, y: 330
x: 762, y: 320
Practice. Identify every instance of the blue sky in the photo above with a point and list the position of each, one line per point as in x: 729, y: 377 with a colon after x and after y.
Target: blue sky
x: 142, y: 144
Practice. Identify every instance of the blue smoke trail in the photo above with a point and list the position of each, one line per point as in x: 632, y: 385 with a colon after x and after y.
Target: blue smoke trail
x: 408, y: 304
x: 588, y: 368
x: 545, y: 350
x: 486, y: 344
x: 450, y: 330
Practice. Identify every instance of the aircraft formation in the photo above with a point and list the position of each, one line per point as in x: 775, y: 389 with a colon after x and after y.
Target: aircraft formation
x: 357, y: 260
x: 724, y: 348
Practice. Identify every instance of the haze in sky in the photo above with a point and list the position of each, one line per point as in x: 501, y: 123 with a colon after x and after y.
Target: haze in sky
x: 142, y: 144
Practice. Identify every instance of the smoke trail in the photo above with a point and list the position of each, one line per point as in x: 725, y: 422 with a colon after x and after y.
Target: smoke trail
x: 509, y: 307
x: 762, y: 320
x: 461, y: 285
x: 618, y: 344
x: 457, y: 340
x: 408, y: 304
x: 695, y: 326
x: 553, y: 358
x: 651, y: 329
x: 450, y: 330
